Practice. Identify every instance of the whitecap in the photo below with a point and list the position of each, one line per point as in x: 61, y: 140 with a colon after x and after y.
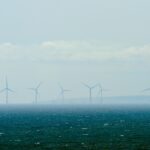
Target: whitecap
x: 37, y: 130
x: 106, y: 124
x: 85, y: 134
x: 37, y: 143
x: 84, y: 128
x: 1, y: 133
x: 17, y: 140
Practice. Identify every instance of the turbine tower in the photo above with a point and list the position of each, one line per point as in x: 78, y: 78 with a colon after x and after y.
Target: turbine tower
x: 90, y: 90
x: 6, y: 90
x: 36, y: 91
x: 101, y: 90
x: 62, y: 92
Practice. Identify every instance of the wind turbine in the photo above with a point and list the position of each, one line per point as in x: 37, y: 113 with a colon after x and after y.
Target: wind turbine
x: 36, y: 91
x: 90, y: 90
x: 62, y: 92
x: 7, y: 90
x: 101, y: 90
x: 145, y: 90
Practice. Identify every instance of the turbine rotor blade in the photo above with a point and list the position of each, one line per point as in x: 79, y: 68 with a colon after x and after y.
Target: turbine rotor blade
x: 66, y: 90
x: 148, y: 89
x: 10, y: 90
x: 60, y: 87
x: 86, y: 85
x: 33, y: 89
x: 63, y: 90
x: 3, y: 90
x: 106, y: 90
x: 39, y: 85
x: 94, y: 86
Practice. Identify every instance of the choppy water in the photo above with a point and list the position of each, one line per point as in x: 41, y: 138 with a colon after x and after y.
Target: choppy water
x: 74, y: 128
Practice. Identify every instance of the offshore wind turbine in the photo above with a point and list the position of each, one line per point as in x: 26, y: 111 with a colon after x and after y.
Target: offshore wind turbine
x: 90, y: 90
x: 101, y: 90
x: 6, y: 90
x: 62, y: 92
x: 36, y: 91
x: 145, y: 90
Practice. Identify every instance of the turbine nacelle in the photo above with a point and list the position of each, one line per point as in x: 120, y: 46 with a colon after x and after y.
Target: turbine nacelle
x: 90, y: 87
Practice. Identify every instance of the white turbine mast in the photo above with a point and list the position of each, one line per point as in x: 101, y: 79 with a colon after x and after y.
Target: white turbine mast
x: 36, y: 91
x: 62, y: 92
x: 90, y: 90
x: 6, y: 90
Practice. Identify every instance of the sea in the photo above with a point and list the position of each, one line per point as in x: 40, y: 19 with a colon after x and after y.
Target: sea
x: 75, y: 127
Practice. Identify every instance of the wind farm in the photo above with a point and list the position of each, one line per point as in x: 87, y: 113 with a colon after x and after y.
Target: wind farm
x: 74, y: 75
x: 90, y: 96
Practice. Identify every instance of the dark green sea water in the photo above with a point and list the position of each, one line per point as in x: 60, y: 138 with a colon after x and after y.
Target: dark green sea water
x: 74, y: 128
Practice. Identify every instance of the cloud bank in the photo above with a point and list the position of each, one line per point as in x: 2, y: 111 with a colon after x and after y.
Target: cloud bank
x: 72, y: 51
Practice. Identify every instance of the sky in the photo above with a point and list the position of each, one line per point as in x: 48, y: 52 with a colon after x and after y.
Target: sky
x: 68, y: 42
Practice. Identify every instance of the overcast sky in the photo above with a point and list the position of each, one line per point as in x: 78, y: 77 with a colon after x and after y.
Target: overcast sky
x: 74, y: 41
